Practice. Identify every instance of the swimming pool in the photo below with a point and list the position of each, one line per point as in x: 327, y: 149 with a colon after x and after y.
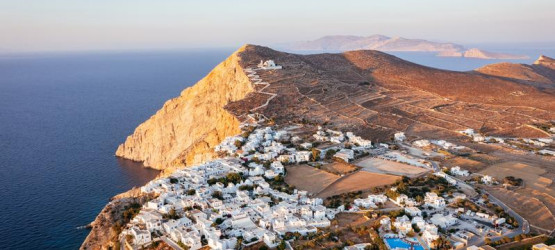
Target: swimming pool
x: 398, y: 243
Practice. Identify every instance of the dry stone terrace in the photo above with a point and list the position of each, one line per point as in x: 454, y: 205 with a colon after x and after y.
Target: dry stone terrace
x: 356, y: 92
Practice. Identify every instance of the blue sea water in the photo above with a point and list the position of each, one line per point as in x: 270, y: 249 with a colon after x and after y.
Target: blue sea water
x: 62, y: 117
x: 533, y: 51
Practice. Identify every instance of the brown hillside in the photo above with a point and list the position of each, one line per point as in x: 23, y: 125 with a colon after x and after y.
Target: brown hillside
x: 533, y: 73
x: 375, y: 94
x: 368, y: 92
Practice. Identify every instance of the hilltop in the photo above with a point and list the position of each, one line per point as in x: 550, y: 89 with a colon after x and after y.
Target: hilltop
x: 542, y: 71
x: 369, y: 92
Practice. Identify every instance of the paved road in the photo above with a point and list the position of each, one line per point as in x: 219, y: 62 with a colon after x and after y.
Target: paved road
x: 524, y: 226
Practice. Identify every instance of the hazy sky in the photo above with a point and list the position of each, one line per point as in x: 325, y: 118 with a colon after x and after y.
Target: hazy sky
x: 29, y: 25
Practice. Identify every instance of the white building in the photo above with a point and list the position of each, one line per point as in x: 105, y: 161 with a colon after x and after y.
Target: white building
x: 486, y: 179
x: 345, y: 154
x: 277, y: 166
x: 458, y: 171
x: 443, y: 221
x: 400, y: 136
x: 413, y: 211
x: 269, y: 64
x: 303, y: 156
x: 271, y: 240
x: 546, y: 152
x: 403, y: 224
x: 306, y: 145
x: 140, y: 237
x: 433, y: 200
x: 421, y: 143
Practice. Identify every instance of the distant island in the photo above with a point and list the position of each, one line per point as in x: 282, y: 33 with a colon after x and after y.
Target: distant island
x: 394, y: 44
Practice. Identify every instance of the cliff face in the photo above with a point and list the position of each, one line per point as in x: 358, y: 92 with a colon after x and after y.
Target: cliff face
x: 186, y: 129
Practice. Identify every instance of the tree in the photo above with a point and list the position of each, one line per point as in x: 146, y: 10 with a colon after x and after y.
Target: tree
x: 218, y: 195
x: 419, y: 198
x: 172, y: 215
x: 234, y: 178
x: 185, y: 247
x: 281, y: 245
x: 442, y: 243
x: 487, y: 241
x: 315, y: 154
x: 402, y: 187
x: 330, y: 153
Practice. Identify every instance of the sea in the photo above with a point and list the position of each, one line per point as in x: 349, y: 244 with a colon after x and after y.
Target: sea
x: 62, y: 116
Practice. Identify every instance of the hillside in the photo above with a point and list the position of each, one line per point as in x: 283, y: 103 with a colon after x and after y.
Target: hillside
x: 374, y: 42
x: 393, y: 44
x: 185, y: 129
x: 369, y: 92
x: 533, y: 73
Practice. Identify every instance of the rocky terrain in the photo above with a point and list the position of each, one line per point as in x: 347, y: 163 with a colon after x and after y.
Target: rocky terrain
x: 108, y: 223
x: 370, y: 92
x: 384, y: 43
x: 184, y: 130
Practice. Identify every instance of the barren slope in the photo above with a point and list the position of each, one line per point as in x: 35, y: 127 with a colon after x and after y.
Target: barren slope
x: 368, y: 92
x: 542, y: 71
x: 186, y: 129
x: 375, y: 94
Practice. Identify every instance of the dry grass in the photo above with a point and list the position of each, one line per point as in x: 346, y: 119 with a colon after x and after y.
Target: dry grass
x: 307, y: 178
x: 465, y: 163
x: 528, y: 207
x: 530, y: 174
x: 381, y: 166
x: 358, y: 181
x: 339, y: 167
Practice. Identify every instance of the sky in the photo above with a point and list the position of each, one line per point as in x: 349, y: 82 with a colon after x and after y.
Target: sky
x: 69, y: 25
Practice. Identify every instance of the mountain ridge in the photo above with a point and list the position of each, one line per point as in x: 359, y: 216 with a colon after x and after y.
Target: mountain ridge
x: 341, y: 43
x: 369, y: 92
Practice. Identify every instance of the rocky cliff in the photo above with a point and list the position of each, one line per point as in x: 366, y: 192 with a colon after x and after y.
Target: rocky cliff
x: 187, y: 127
x: 367, y: 92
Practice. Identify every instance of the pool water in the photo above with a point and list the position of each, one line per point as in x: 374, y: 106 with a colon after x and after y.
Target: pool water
x: 398, y: 243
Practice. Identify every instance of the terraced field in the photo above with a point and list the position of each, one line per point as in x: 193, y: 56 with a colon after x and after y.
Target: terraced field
x: 375, y: 94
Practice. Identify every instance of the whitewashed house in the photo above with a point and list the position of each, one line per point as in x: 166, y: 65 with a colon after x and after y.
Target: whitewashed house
x: 345, y: 154
x: 433, y: 200
x: 399, y: 136
x: 488, y: 180
x: 458, y: 171
x: 140, y: 237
